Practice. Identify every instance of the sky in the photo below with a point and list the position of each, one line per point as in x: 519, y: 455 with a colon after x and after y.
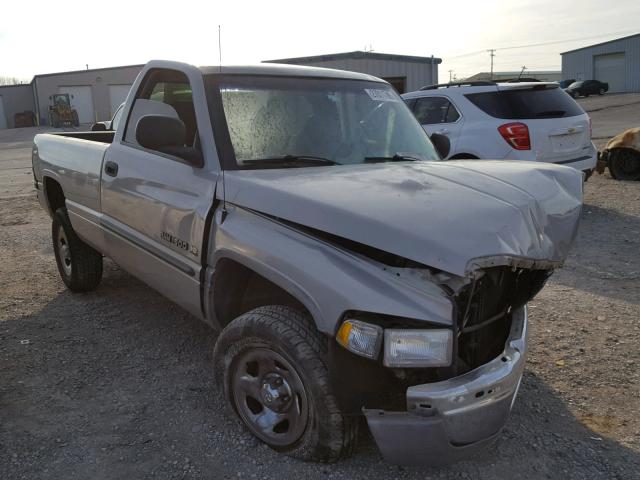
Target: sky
x: 45, y: 36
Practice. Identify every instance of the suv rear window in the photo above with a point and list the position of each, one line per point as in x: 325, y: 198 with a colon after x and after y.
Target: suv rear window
x: 526, y: 104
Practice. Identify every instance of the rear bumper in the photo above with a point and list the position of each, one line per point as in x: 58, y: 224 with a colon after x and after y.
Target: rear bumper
x: 450, y: 420
x: 583, y: 160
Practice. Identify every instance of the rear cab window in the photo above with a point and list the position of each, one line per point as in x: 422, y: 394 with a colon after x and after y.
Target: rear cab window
x: 526, y: 104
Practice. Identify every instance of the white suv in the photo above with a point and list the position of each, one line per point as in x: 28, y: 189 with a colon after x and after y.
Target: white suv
x: 534, y: 121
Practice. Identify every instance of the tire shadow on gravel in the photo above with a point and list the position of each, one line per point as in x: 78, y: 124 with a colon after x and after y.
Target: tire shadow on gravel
x: 118, y: 384
x: 604, y: 259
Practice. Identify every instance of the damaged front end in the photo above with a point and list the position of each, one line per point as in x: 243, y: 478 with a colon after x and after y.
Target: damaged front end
x: 622, y: 156
x: 433, y: 416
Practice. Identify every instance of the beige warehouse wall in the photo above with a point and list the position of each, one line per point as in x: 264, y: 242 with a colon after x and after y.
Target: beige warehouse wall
x: 99, y: 81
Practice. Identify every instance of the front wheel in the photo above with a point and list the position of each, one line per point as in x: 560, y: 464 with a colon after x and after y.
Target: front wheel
x: 601, y: 91
x: 271, y: 366
x: 80, y: 266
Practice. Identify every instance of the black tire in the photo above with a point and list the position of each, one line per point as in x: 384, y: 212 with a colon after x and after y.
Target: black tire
x: 80, y: 266
x: 262, y: 339
x: 624, y: 164
x: 601, y: 91
x: 55, y: 120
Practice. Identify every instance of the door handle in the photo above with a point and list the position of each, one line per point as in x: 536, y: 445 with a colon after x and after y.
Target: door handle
x: 111, y: 169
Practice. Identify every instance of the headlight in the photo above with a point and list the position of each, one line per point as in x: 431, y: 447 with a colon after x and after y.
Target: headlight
x: 417, y: 348
x: 360, y: 337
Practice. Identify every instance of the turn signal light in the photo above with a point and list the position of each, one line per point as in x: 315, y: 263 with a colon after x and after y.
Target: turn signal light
x: 361, y: 338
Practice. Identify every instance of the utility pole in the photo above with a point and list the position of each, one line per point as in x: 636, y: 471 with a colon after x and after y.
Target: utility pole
x: 450, y: 75
x: 492, y: 53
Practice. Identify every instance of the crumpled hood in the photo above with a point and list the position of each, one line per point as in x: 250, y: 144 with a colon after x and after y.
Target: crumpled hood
x: 454, y: 216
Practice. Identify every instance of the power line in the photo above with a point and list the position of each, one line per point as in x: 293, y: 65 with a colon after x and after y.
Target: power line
x: 556, y: 42
x: 565, y: 41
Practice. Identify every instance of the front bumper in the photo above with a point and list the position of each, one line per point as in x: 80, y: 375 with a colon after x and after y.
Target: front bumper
x: 450, y: 420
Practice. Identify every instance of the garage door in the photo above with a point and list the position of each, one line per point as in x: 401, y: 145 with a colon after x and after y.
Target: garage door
x: 82, y: 101
x: 610, y: 68
x: 117, y: 95
x: 3, y: 119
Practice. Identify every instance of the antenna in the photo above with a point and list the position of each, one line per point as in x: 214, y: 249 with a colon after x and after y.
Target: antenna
x: 223, y: 214
x: 220, y: 48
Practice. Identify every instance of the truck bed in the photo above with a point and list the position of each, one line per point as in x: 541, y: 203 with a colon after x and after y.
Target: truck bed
x: 102, y: 137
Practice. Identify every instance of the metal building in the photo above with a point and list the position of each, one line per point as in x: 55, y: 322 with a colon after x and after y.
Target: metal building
x: 616, y: 62
x: 406, y: 73
x: 95, y: 94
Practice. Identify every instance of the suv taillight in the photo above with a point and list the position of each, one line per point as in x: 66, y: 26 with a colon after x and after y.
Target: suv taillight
x: 516, y: 135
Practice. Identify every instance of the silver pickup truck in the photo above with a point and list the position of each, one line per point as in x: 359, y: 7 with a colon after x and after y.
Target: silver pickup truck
x: 306, y: 215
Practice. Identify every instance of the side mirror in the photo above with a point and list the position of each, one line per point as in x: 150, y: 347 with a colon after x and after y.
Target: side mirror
x: 157, y: 132
x: 166, y: 135
x: 98, y: 127
x: 442, y: 144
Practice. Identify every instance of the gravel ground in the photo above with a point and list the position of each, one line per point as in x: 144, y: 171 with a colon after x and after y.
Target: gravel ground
x: 118, y: 383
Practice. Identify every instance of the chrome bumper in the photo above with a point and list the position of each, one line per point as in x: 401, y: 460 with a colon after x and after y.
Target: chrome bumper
x: 449, y: 420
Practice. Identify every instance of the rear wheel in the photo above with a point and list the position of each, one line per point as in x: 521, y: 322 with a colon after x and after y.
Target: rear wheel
x: 624, y: 164
x: 601, y: 91
x: 80, y: 266
x: 271, y: 366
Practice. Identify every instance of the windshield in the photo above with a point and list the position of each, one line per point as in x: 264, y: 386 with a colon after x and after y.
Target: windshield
x: 576, y: 85
x: 310, y: 119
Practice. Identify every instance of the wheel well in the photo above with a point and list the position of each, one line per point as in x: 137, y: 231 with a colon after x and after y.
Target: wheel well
x: 54, y: 193
x: 463, y: 156
x: 238, y: 289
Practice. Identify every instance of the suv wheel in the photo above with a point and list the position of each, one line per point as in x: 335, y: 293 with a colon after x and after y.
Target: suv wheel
x: 601, y: 91
x: 271, y: 366
x: 80, y: 266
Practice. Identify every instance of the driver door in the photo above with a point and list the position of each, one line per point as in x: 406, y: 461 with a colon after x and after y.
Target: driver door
x: 154, y: 205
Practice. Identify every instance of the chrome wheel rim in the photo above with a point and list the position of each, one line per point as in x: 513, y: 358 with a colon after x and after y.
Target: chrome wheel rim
x: 64, y: 252
x: 269, y: 396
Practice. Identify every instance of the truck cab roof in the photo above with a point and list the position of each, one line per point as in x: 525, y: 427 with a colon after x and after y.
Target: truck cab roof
x: 285, y: 70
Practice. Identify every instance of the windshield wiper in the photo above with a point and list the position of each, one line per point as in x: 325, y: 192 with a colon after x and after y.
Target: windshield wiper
x: 289, y: 161
x: 398, y: 157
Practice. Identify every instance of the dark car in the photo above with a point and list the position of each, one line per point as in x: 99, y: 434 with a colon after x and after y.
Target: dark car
x: 586, y: 88
x: 566, y: 83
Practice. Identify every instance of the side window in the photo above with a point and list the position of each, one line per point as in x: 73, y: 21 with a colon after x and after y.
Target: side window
x: 164, y: 92
x: 433, y: 110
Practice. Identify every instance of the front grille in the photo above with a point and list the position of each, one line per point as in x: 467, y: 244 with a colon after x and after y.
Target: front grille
x: 484, y: 311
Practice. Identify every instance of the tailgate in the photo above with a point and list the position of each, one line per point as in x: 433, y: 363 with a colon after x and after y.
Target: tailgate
x: 559, y: 138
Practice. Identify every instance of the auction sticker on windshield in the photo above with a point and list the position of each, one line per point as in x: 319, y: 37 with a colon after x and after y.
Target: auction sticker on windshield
x: 381, y: 95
